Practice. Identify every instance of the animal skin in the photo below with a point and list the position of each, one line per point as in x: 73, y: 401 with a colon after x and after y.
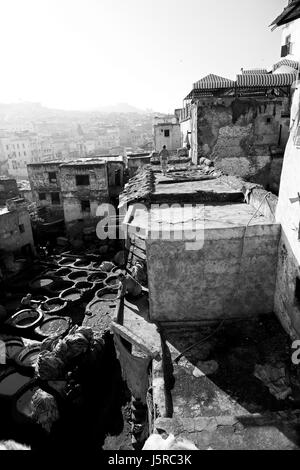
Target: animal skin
x: 12, y: 445
x: 156, y: 442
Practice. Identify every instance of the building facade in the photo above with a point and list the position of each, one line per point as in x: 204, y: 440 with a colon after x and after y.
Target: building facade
x: 45, y: 185
x: 166, y: 131
x: 287, y: 300
x: 20, y: 149
x: 209, y: 255
x: 73, y: 190
x: 241, y: 125
x: 16, y: 239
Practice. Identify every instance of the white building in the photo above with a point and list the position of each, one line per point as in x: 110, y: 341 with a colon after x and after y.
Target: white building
x: 20, y: 149
x: 287, y: 298
x: 166, y: 130
x: 290, y: 22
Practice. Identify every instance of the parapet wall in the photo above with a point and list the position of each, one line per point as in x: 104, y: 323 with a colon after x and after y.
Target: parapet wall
x: 224, y: 279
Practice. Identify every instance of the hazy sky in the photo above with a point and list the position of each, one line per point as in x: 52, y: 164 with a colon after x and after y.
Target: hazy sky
x: 79, y: 54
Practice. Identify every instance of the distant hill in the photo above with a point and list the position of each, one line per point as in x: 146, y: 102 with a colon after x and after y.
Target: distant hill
x: 122, y: 108
x: 27, y: 111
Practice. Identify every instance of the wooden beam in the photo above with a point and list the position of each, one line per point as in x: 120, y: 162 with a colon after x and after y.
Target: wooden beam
x: 134, y: 339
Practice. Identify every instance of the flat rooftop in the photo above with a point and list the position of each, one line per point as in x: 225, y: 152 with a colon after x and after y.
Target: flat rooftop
x: 183, y: 183
x: 199, y: 216
x: 180, y: 184
x: 84, y: 162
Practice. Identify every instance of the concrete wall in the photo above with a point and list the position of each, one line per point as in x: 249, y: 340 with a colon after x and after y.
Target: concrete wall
x: 134, y: 163
x: 237, y: 133
x: 173, y: 142
x: 11, y: 238
x: 8, y: 189
x: 214, y: 283
x: 112, y: 168
x: 72, y: 195
x: 288, y: 214
x: 38, y: 175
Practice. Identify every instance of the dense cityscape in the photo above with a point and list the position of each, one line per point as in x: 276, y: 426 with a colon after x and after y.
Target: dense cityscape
x: 150, y: 261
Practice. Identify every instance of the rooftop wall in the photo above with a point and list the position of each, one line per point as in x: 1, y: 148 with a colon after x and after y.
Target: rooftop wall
x: 238, y: 134
x: 214, y: 282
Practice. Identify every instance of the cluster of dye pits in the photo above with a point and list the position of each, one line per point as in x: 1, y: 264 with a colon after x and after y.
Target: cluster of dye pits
x: 67, y: 293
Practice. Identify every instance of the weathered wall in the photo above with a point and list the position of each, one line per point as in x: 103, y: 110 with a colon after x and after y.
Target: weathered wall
x: 287, y: 308
x: 237, y: 133
x: 288, y: 214
x: 8, y: 189
x: 72, y: 195
x: 114, y: 186
x: 134, y: 163
x: 211, y: 284
x: 173, y: 142
x: 11, y: 238
x: 38, y: 174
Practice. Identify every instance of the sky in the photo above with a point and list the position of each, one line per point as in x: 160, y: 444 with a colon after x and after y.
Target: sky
x: 83, y: 54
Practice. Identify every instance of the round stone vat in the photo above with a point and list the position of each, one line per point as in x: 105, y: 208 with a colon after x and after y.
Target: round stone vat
x: 72, y: 295
x: 55, y: 305
x: 27, y: 359
x: 107, y: 294
x: 25, y: 319
x: 112, y: 281
x: 41, y: 283
x: 86, y: 288
x: 60, y: 285
x: 65, y: 262
x: 81, y: 263
x: 97, y: 278
x: 78, y: 276
x: 53, y: 326
x: 63, y: 272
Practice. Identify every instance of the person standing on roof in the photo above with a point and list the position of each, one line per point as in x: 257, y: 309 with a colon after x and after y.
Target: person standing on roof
x: 164, y: 157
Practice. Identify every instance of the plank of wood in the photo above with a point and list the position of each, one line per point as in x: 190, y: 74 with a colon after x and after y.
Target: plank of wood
x: 136, y: 340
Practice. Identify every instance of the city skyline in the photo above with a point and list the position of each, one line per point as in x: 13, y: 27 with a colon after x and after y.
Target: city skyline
x: 85, y: 55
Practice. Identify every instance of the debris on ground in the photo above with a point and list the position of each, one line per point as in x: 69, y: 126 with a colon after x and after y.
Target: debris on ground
x: 275, y: 379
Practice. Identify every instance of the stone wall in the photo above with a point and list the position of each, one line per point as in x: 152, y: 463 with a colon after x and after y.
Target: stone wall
x: 239, y: 133
x: 214, y: 282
